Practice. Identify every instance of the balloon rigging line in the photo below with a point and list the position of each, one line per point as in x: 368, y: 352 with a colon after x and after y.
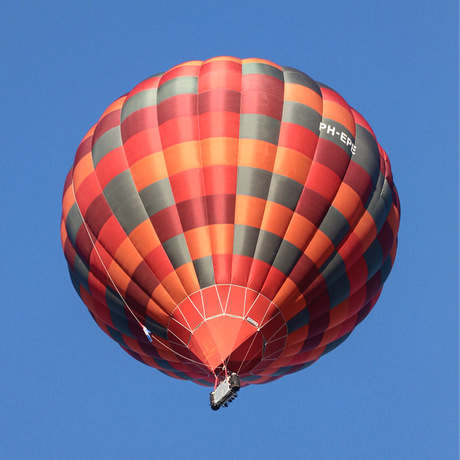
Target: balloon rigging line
x: 148, y: 334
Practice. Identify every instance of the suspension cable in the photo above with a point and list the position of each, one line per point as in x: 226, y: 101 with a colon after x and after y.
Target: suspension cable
x: 150, y: 336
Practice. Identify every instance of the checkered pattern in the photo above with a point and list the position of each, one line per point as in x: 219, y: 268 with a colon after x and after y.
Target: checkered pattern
x: 244, y: 212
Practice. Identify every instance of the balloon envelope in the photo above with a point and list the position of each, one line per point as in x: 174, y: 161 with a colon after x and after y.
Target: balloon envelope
x: 229, y: 214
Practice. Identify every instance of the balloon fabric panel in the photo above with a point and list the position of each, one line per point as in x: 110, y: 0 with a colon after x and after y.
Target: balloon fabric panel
x: 238, y: 211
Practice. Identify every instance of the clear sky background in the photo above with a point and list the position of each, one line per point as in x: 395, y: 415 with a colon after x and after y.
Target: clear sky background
x: 389, y: 392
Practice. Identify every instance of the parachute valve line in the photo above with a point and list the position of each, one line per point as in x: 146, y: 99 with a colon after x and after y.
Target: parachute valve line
x: 145, y: 330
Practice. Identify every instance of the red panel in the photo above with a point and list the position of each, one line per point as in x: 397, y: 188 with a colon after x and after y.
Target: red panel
x: 111, y: 120
x: 159, y: 263
x: 255, y: 89
x: 219, y: 124
x: 110, y: 165
x: 298, y: 138
x: 179, y: 130
x: 182, y: 105
x: 218, y: 74
x: 138, y: 121
x: 236, y: 301
x: 211, y: 302
x: 167, y: 223
x: 323, y: 180
x: 192, y: 139
x: 187, y: 185
x: 240, y: 269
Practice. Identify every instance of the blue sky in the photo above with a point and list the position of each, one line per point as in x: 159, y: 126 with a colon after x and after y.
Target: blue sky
x: 390, y: 391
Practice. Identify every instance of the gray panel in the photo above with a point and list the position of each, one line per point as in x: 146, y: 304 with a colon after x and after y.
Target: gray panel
x: 80, y: 272
x: 333, y: 268
x: 245, y: 240
x: 253, y: 182
x: 267, y: 246
x: 177, y: 250
x: 380, y: 202
x: 115, y: 335
x: 176, y: 86
x: 147, y: 98
x: 119, y: 188
x: 336, y: 278
x: 301, y: 319
x: 302, y: 115
x: 385, y: 269
x: 336, y: 133
x: 155, y: 328
x: 264, y: 69
x: 299, y: 78
x: 109, y: 141
x: 287, y: 257
x: 73, y: 223
x: 335, y: 226
x: 122, y: 197
x: 284, y: 191
x: 260, y: 127
x: 159, y: 74
x: 331, y: 346
x: 387, y: 194
x: 74, y: 278
x: 157, y: 196
x: 130, y: 213
x: 367, y: 152
x: 379, y: 211
x: 117, y: 312
x: 374, y: 258
x: 204, y: 269
x: 374, y: 196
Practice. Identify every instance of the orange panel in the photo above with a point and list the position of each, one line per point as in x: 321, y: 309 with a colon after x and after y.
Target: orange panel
x: 366, y: 230
x: 89, y: 133
x: 183, y: 156
x: 144, y: 238
x: 292, y: 164
x: 289, y: 299
x: 68, y: 200
x: 304, y: 95
x: 198, y: 242
x: 276, y: 218
x: 82, y: 170
x: 169, y: 293
x: 63, y: 232
x: 221, y: 238
x: 348, y: 202
x: 249, y: 210
x: 224, y: 58
x: 187, y: 276
x: 257, y: 154
x: 115, y: 105
x: 219, y: 151
x: 159, y: 313
x: 127, y: 256
x: 191, y: 64
x: 319, y: 249
x: 393, y: 219
x: 119, y: 277
x: 148, y: 170
x: 300, y: 231
x: 261, y: 61
x: 340, y: 114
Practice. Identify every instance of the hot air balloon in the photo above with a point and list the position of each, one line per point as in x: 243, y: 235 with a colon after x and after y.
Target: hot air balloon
x: 229, y: 222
